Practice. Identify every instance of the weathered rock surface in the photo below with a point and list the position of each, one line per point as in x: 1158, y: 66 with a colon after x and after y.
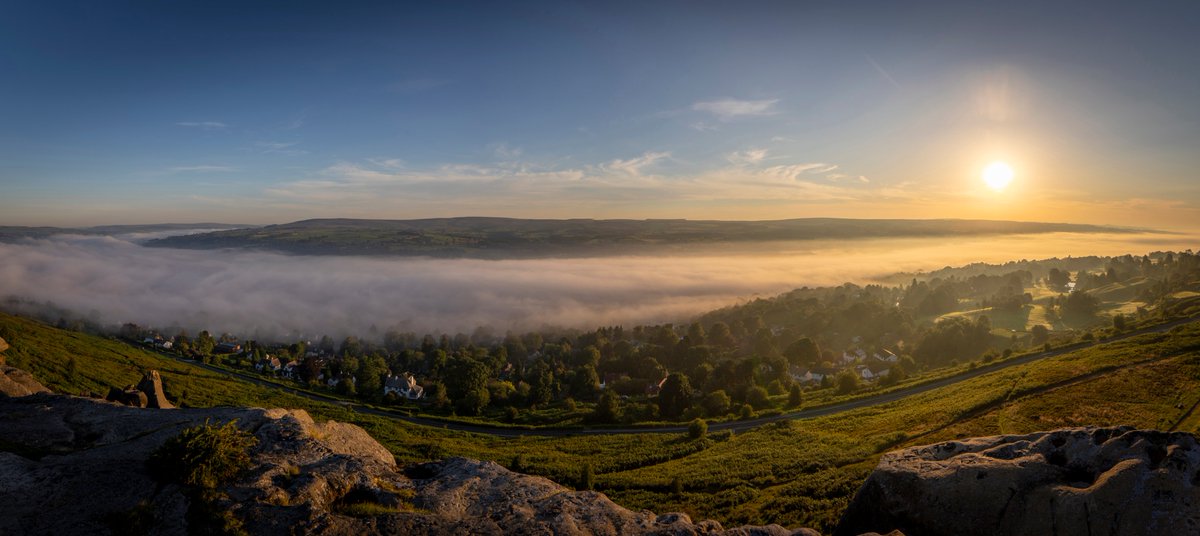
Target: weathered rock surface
x: 16, y: 382
x: 1085, y: 481
x: 71, y: 465
x: 3, y: 347
x: 151, y: 384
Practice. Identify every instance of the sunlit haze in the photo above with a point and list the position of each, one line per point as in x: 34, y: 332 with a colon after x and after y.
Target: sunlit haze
x: 240, y: 112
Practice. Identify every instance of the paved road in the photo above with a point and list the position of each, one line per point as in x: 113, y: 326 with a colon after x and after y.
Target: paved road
x: 736, y: 426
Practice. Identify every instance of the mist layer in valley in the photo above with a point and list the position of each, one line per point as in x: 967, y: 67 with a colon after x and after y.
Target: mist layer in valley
x: 113, y: 279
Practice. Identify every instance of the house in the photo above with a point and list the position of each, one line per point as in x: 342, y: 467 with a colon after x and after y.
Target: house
x: 818, y: 374
x: 268, y: 363
x: 864, y: 372
x: 887, y: 356
x: 872, y: 371
x: 291, y: 369
x: 404, y: 386
x: 166, y: 345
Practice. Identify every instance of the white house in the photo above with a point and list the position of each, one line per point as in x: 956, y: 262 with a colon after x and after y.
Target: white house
x: 405, y: 386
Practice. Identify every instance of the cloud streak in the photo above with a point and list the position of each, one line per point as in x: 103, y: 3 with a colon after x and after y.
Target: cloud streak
x: 730, y: 109
x: 206, y: 125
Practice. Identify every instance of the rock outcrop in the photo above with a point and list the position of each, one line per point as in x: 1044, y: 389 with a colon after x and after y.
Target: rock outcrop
x: 148, y: 393
x: 1085, y: 481
x: 3, y: 347
x: 151, y: 384
x: 15, y: 382
x: 71, y: 465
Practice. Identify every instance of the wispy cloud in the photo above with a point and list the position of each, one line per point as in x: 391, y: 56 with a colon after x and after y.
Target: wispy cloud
x: 882, y: 72
x: 701, y: 126
x: 416, y: 85
x: 749, y: 156
x: 633, y: 166
x: 279, y: 147
x: 202, y: 169
x: 793, y: 172
x: 206, y: 125
x: 504, y: 151
x: 840, y: 177
x: 727, y: 109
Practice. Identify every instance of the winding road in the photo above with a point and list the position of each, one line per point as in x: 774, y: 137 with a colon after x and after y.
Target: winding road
x: 735, y: 426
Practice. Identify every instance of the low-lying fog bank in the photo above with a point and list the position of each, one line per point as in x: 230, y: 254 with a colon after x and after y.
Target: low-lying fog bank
x: 114, y: 280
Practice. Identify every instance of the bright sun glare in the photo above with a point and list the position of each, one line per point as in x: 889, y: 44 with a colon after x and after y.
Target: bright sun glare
x: 997, y: 175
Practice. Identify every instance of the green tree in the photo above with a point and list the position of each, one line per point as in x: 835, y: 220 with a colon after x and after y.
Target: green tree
x: 608, y: 409
x: 804, y: 351
x: 758, y: 397
x: 675, y: 396
x: 1039, y: 334
x: 697, y: 429
x: 472, y: 402
x: 716, y: 403
x: 205, y: 343
x: 795, y: 396
x: 847, y: 382
x: 1118, y: 321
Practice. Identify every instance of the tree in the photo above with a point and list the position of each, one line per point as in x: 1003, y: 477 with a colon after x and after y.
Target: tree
x: 697, y: 429
x: 608, y: 409
x: 847, y: 382
x: 1040, y: 334
x: 472, y: 402
x: 1080, y: 304
x: 1118, y: 322
x: 716, y: 403
x: 803, y: 351
x: 720, y: 336
x: 205, y: 343
x: 586, y: 382
x: 675, y: 396
x: 465, y: 375
x: 758, y: 397
x: 795, y: 396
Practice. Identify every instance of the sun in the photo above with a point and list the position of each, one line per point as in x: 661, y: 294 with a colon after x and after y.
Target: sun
x: 998, y: 175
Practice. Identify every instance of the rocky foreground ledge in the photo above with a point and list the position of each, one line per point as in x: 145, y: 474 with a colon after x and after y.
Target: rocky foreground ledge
x: 1078, y: 481
x: 72, y: 465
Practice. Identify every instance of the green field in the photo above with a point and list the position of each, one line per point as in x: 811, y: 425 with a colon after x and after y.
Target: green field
x: 798, y: 473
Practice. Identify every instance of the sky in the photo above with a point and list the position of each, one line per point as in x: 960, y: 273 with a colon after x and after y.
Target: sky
x: 269, y: 112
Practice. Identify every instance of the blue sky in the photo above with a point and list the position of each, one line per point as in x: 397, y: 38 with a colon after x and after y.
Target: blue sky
x: 261, y: 112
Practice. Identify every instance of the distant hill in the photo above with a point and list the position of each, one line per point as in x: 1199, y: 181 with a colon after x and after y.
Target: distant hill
x: 9, y: 233
x: 510, y: 237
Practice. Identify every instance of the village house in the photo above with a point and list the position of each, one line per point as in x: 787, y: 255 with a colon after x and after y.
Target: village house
x: 268, y: 363
x: 403, y: 386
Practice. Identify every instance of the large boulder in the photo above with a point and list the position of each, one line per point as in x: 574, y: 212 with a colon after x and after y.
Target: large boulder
x: 151, y: 384
x: 1078, y: 481
x: 3, y: 344
x: 16, y: 382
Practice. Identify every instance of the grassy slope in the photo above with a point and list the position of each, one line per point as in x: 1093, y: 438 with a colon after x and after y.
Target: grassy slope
x: 795, y: 473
